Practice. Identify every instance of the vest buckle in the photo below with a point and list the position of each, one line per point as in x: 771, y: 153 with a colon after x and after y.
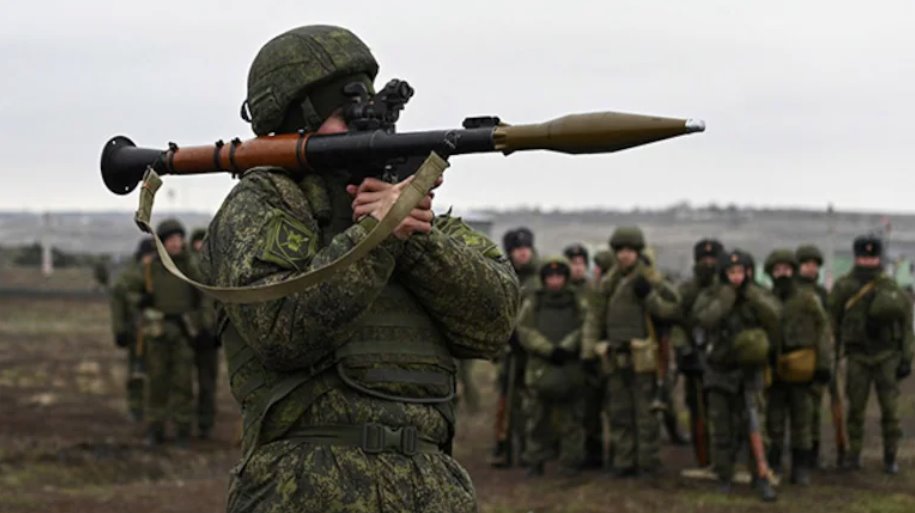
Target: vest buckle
x: 378, y: 438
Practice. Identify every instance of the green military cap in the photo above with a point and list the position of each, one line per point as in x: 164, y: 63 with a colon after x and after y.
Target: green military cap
x: 627, y: 237
x: 198, y: 234
x: 780, y: 256
x: 555, y: 265
x: 808, y: 252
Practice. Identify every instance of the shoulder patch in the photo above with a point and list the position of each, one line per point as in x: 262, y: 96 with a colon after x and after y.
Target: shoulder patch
x: 288, y: 242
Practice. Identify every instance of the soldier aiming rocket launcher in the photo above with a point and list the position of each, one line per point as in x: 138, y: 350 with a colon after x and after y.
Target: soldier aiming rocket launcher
x: 372, y: 147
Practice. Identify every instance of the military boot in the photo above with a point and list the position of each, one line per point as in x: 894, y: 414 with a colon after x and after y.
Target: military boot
x: 155, y: 434
x: 800, y: 474
x: 766, y: 491
x: 815, y: 462
x: 774, y: 458
x: 626, y: 472
x: 890, y: 466
x: 183, y: 436
x: 535, y: 469
x: 501, y: 455
x: 852, y: 461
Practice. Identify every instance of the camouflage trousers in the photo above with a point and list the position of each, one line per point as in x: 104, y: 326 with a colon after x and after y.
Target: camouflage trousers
x: 206, y: 360
x: 861, y: 373
x: 552, y: 424
x: 817, y: 391
x: 294, y: 476
x: 594, y: 394
x: 789, y: 402
x: 634, y: 429
x: 170, y: 391
x: 729, y: 429
x: 136, y: 381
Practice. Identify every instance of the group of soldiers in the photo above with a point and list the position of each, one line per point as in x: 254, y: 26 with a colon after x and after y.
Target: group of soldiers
x: 755, y: 361
x: 167, y: 329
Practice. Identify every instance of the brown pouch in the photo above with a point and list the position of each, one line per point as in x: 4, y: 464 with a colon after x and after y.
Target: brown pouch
x: 797, y: 366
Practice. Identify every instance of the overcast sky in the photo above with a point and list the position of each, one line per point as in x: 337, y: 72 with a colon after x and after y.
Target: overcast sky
x: 806, y: 103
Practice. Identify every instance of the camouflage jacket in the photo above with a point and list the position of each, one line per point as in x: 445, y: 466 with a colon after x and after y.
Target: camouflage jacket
x: 804, y: 323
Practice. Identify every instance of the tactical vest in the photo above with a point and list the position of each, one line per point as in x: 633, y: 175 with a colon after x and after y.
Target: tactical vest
x: 625, y: 314
x: 557, y: 315
x: 395, y: 353
x: 721, y: 351
x: 172, y: 296
x: 799, y: 328
x: 862, y: 331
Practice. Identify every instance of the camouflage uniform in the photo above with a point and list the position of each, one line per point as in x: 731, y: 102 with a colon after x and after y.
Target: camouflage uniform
x: 817, y: 390
x: 689, y: 343
x: 346, y: 388
x: 171, y: 320
x: 206, y: 359
x: 549, y: 330
x: 725, y: 313
x: 873, y: 316
x: 619, y: 313
x: 804, y: 326
x: 126, y: 292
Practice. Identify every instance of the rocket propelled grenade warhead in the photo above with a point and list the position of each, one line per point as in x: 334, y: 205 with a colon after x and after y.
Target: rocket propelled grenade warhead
x: 385, y: 153
x: 597, y: 132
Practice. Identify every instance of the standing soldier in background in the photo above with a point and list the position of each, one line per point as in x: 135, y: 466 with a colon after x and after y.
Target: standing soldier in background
x: 125, y: 317
x: 802, y: 358
x: 604, y: 260
x: 690, y: 343
x: 809, y: 261
x: 171, y: 326
x: 577, y: 256
x: 593, y: 389
x: 619, y: 326
x: 519, y: 246
x: 739, y: 320
x: 549, y: 329
x: 873, y: 316
x: 206, y: 353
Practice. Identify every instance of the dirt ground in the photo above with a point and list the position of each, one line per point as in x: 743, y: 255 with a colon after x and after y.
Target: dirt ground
x: 66, y: 445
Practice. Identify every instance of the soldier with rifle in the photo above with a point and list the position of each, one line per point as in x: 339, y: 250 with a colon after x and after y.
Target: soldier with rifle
x: 620, y: 327
x: 740, y: 321
x: 125, y: 322
x: 873, y: 319
x: 510, y: 420
x: 689, y: 341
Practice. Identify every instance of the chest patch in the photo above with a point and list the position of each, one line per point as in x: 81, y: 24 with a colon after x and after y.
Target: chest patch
x: 289, y: 243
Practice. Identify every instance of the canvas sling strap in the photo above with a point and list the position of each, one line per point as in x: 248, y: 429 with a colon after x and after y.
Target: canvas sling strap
x: 423, y: 181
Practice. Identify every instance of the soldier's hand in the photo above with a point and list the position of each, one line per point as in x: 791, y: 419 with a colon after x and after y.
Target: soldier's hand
x: 122, y: 339
x: 375, y: 198
x: 822, y: 376
x: 641, y: 286
x: 904, y: 369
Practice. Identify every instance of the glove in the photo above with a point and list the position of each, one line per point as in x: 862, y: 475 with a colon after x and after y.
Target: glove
x: 561, y: 355
x: 904, y: 369
x: 822, y: 376
x: 122, y: 340
x: 641, y: 286
x: 146, y: 301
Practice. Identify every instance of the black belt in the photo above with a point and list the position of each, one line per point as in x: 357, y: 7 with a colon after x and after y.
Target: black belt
x: 372, y: 438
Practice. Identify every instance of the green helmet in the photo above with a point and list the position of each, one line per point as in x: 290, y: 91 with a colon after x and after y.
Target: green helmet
x: 627, y: 237
x: 808, y: 252
x: 198, y: 234
x: 780, y: 256
x: 555, y: 265
x: 170, y: 227
x: 604, y: 259
x: 751, y: 348
x: 296, y: 79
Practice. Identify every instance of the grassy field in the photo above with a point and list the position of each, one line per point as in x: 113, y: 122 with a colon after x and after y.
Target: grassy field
x: 66, y: 444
